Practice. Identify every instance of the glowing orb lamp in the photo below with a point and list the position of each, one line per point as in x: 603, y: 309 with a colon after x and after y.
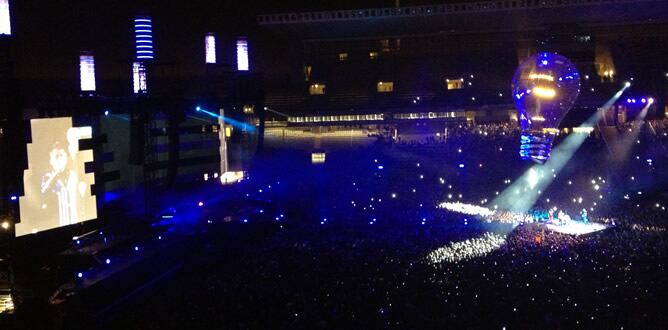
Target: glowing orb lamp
x: 545, y: 87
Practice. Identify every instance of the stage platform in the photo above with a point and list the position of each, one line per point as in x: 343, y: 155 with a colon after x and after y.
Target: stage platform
x: 577, y: 227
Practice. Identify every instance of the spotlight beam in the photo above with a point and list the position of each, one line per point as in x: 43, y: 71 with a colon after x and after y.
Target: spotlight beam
x: 523, y: 193
x: 234, y: 123
x: 624, y: 146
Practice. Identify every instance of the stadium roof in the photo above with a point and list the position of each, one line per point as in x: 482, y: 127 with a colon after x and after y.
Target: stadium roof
x: 468, y: 17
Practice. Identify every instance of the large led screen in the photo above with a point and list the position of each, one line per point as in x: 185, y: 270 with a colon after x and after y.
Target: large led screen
x: 56, y: 185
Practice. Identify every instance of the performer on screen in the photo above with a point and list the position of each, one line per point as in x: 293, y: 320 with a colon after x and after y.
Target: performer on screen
x: 63, y: 182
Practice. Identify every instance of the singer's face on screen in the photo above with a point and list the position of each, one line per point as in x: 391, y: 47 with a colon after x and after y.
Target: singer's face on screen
x: 58, y: 159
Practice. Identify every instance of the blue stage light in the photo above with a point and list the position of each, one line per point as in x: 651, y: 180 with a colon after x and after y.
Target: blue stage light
x: 108, y: 261
x: 143, y: 38
x: 461, y: 165
x: 13, y: 197
x: 235, y: 123
x: 79, y: 274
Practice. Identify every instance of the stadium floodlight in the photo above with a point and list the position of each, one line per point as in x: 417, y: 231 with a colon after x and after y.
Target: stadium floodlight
x: 242, y: 54
x: 87, y: 71
x: 5, y: 21
x: 210, y: 48
x: 143, y: 38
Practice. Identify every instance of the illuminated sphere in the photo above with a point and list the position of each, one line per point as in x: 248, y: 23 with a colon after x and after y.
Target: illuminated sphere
x: 545, y: 87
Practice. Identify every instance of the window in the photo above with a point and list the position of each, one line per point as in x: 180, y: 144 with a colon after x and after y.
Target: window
x: 316, y: 89
x: 343, y: 56
x: 385, y: 86
x: 373, y: 55
x: 318, y: 157
x: 385, y: 45
x: 455, y: 83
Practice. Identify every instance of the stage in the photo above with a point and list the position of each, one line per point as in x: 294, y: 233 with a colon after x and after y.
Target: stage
x: 577, y: 227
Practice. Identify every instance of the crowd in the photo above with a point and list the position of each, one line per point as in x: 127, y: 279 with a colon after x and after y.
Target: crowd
x: 360, y: 242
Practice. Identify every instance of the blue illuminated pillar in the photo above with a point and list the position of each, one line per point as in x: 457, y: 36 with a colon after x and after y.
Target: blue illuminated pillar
x: 143, y: 25
x: 143, y: 38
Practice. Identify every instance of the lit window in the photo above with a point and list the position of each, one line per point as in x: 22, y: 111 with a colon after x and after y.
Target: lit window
x: 343, y: 56
x: 316, y: 89
x: 385, y: 86
x: 455, y: 83
x: 318, y: 157
x: 385, y: 45
x: 373, y: 55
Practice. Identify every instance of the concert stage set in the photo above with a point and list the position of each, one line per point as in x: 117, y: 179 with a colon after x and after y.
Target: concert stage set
x: 576, y: 227
x: 372, y: 168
